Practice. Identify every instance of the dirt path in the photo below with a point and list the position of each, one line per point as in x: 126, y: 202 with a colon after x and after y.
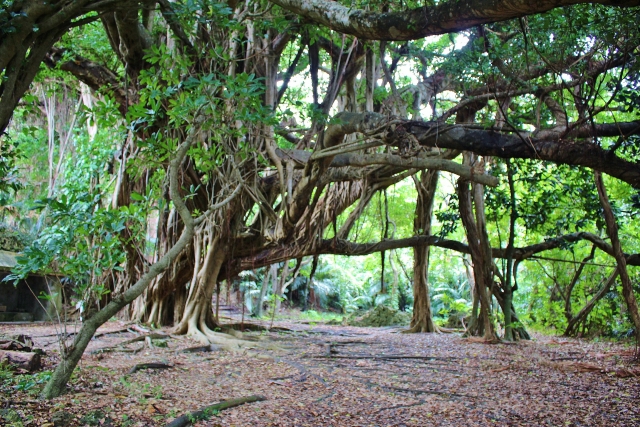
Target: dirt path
x: 344, y: 376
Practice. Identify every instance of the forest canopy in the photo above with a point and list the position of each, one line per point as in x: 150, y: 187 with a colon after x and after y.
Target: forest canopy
x: 484, y: 156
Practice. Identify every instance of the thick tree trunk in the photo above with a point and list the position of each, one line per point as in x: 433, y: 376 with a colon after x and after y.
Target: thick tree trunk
x: 163, y: 302
x: 475, y: 297
x: 612, y: 231
x: 197, y: 320
x: 212, y: 240
x: 508, y: 314
x: 487, y: 263
x: 422, y: 320
x: 518, y: 330
x: 482, y: 262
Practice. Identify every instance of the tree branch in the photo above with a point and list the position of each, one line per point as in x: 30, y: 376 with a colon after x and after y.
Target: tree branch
x: 96, y: 76
x: 445, y: 17
x: 414, y: 163
x: 554, y: 149
x: 285, y: 252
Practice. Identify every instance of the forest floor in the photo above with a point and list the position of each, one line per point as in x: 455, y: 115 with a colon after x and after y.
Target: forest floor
x: 322, y: 375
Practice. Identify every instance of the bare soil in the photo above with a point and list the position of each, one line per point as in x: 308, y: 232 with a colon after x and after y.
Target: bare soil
x: 339, y: 376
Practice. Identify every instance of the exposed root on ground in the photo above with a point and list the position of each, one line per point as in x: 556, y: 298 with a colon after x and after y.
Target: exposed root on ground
x: 120, y: 346
x: 254, y: 327
x: 230, y: 339
x: 141, y: 366
x: 482, y: 340
x: 421, y: 329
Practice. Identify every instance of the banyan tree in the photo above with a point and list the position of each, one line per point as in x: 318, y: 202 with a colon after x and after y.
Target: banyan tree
x: 244, y: 130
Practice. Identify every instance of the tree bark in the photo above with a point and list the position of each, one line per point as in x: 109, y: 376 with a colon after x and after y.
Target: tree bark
x: 441, y: 18
x: 482, y: 263
x: 197, y: 320
x: 519, y: 330
x: 94, y: 75
x: 567, y: 149
x: 414, y: 163
x: 204, y: 413
x: 36, y: 27
x: 280, y: 288
x: 571, y: 148
x: 422, y: 319
x: 487, y: 261
x: 283, y: 252
x: 508, y: 288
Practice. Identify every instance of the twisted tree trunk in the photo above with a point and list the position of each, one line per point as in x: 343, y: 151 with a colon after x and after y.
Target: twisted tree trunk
x: 422, y: 320
x: 197, y: 320
x: 481, y: 258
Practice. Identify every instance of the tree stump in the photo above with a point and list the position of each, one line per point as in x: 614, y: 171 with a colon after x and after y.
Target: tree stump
x: 29, y: 361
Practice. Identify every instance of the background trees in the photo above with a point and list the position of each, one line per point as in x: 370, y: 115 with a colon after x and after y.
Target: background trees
x: 297, y: 137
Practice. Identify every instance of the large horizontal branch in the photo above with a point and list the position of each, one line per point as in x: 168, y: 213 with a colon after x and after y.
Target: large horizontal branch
x: 285, y: 252
x: 569, y: 152
x: 553, y: 148
x: 445, y: 17
x: 414, y: 163
x: 346, y: 123
x: 301, y: 157
x: 282, y: 253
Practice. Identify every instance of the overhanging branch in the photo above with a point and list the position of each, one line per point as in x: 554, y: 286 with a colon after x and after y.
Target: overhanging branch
x: 561, y: 151
x: 414, y: 163
x: 445, y: 17
x: 553, y: 147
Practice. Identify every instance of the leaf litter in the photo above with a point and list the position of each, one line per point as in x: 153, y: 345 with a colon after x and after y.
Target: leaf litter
x: 336, y: 376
